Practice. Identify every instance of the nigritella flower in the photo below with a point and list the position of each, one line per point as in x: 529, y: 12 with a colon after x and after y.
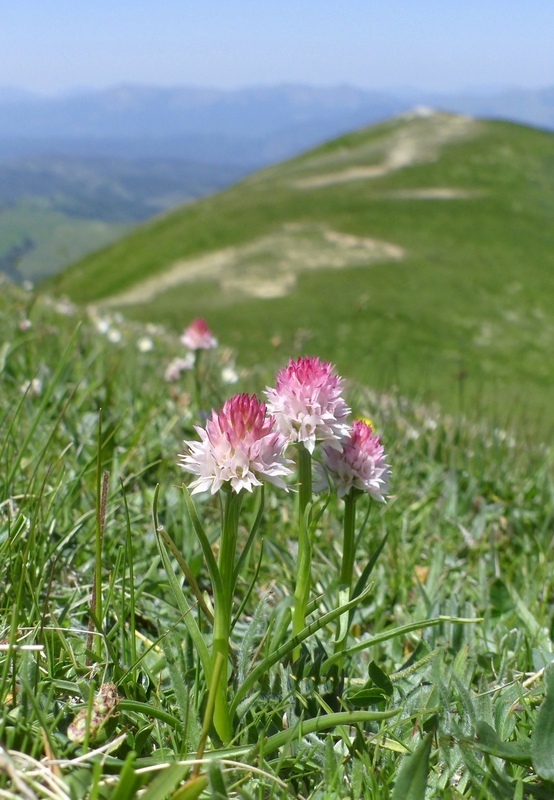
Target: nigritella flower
x: 307, y: 403
x: 239, y: 446
x: 360, y: 464
x: 198, y: 336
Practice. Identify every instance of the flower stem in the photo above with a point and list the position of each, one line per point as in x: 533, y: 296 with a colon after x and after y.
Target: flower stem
x: 304, y: 477
x: 347, y: 565
x: 223, y: 608
x: 349, y: 539
x: 303, y: 567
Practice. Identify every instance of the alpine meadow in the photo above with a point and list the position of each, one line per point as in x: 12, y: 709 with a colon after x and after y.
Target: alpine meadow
x: 416, y: 253
x: 277, y: 506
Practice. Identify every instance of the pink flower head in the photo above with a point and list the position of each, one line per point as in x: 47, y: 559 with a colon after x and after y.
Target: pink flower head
x: 360, y: 464
x: 198, y: 336
x: 239, y: 445
x: 308, y: 404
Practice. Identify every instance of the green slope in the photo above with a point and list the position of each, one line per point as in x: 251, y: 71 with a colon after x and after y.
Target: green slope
x: 418, y: 252
x: 36, y: 240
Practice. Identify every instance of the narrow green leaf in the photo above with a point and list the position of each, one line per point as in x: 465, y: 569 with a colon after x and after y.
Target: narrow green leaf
x: 411, y: 783
x: 500, y: 598
x: 368, y: 569
x: 250, y: 589
x: 490, y: 743
x: 174, y: 661
x: 129, y: 782
x: 165, y: 782
x: 366, y: 697
x: 192, y: 789
x: 185, y: 609
x: 542, y: 738
x: 204, y: 543
x: 187, y: 572
x: 251, y: 536
x: 323, y: 723
x: 146, y: 710
x: 217, y: 783
x: 534, y: 628
x: 380, y: 679
x: 288, y: 647
x: 394, y: 632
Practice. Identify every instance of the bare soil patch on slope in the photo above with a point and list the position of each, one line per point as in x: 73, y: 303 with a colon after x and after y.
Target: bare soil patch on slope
x: 267, y: 267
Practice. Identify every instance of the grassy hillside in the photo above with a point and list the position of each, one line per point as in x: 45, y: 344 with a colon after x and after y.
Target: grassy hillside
x: 445, y: 689
x: 37, y: 240
x: 56, y: 209
x: 416, y: 253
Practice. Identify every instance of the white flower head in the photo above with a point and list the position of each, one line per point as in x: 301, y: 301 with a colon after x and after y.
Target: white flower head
x: 239, y: 447
x: 359, y: 464
x: 307, y: 403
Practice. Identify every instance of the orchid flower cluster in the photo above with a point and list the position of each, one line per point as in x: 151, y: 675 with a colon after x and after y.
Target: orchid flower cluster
x: 245, y: 444
x: 245, y: 441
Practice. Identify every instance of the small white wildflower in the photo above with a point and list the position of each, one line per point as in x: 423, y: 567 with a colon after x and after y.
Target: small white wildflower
x: 114, y: 335
x: 145, y: 344
x: 229, y: 375
x: 32, y: 387
x: 65, y: 307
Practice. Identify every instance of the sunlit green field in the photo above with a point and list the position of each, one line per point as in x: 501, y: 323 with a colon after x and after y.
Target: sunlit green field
x: 425, y: 705
x: 416, y: 254
x: 56, y: 239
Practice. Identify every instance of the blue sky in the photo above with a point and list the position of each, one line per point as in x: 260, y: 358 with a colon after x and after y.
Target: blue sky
x: 53, y: 46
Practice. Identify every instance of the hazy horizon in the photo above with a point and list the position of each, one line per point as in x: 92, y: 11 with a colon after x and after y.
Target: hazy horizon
x: 399, y: 91
x: 53, y: 47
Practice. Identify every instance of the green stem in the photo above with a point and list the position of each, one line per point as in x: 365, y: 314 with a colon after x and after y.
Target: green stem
x: 305, y: 478
x: 347, y: 565
x: 303, y: 568
x: 349, y: 539
x: 223, y: 608
x: 209, y: 712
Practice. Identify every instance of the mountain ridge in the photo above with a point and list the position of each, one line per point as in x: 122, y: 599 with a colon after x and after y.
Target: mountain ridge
x: 417, y: 252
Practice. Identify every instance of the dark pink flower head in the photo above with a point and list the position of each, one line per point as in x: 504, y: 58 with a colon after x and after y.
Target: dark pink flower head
x: 239, y: 445
x: 198, y: 336
x: 360, y: 464
x: 307, y: 402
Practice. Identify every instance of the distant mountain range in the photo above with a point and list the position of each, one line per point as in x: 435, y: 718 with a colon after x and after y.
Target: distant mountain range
x: 245, y: 127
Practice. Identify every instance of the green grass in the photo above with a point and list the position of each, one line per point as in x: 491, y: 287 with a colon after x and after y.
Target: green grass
x: 58, y: 239
x: 463, y: 319
x: 470, y: 534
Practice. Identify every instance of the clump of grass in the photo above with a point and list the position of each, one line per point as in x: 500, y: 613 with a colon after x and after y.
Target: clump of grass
x: 469, y: 535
